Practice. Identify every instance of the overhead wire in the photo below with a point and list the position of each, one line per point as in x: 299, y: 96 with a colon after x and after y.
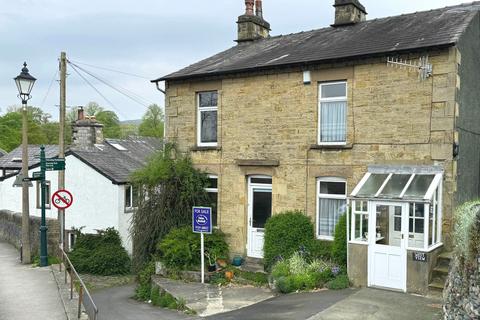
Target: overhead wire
x: 124, y: 91
x: 96, y: 90
x: 49, y: 88
x: 112, y: 70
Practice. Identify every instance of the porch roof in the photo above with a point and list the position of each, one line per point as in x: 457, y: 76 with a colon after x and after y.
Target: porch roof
x: 405, y: 183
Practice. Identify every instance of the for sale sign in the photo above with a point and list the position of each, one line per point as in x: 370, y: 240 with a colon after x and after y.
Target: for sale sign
x: 202, y: 220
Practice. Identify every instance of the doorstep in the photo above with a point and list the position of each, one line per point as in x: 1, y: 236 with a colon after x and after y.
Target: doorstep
x: 209, y: 299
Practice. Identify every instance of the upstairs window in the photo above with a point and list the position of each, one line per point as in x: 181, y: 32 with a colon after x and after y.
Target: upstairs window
x: 207, y: 119
x: 131, y: 198
x: 332, y: 113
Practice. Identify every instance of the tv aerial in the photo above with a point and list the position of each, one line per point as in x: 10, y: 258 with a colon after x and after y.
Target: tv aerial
x: 422, y: 65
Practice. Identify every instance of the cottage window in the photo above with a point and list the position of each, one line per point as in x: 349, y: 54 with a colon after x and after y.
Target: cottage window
x: 212, y: 190
x: 47, y: 195
x: 331, y: 204
x: 207, y: 119
x: 131, y: 198
x: 332, y: 113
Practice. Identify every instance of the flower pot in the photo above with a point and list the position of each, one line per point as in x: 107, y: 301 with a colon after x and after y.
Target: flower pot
x: 229, y: 275
x: 237, y: 261
x: 221, y: 263
x: 211, y: 268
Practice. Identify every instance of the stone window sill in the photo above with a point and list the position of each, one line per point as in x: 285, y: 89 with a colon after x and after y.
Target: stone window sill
x: 331, y: 147
x: 197, y: 148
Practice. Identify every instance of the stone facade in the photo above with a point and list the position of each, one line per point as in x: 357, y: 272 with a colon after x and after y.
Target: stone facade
x: 11, y: 232
x: 393, y: 118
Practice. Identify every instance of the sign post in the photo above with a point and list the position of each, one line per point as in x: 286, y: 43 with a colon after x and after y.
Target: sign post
x: 202, y: 223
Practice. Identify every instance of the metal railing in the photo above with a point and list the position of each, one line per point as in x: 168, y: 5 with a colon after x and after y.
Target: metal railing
x: 84, y: 297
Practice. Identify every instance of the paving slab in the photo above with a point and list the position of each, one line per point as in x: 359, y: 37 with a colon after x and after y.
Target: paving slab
x: 208, y: 299
x: 26, y: 292
x: 378, y: 304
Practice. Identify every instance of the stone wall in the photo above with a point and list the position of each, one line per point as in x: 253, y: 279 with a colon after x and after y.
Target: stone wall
x: 393, y: 118
x: 11, y: 231
x: 462, y: 291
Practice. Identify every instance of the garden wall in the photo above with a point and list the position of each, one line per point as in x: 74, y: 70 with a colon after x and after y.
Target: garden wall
x: 11, y: 231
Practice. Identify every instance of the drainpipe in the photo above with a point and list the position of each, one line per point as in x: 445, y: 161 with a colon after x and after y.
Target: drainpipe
x: 165, y: 118
x: 159, y: 89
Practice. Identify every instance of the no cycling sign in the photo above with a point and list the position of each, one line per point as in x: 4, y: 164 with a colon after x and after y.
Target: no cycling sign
x: 62, y: 199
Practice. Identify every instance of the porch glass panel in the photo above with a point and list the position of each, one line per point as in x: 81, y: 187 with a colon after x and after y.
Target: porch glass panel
x: 395, y: 186
x: 372, y: 185
x: 419, y: 186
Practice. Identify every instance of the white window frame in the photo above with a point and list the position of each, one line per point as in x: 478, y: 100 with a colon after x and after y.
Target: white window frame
x: 213, y: 190
x: 352, y: 225
x: 199, y: 120
x: 47, y: 195
x: 327, y: 196
x: 131, y: 207
x: 336, y: 99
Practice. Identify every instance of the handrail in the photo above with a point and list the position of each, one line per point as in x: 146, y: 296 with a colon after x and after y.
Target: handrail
x: 87, y: 303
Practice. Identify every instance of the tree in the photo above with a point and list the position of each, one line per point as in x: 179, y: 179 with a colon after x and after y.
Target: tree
x: 111, y: 124
x: 152, y: 122
x: 92, y: 109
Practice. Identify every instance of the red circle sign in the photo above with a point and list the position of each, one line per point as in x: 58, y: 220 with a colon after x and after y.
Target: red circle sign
x: 62, y: 199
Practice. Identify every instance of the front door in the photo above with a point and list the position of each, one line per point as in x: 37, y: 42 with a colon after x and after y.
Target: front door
x: 259, y: 210
x: 387, y: 254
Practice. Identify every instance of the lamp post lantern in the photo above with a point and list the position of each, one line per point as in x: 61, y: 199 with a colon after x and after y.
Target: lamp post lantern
x: 25, y: 82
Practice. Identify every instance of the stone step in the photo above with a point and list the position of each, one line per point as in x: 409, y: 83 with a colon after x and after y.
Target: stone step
x: 444, y: 259
x: 437, y: 285
x: 441, y: 269
x: 253, y: 265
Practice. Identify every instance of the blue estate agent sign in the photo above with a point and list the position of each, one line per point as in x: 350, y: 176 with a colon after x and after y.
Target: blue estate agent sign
x: 202, y: 220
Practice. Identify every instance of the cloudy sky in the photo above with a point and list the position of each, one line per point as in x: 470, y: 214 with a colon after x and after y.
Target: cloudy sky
x: 146, y: 38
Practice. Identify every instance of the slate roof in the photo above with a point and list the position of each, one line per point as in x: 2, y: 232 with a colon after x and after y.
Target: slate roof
x: 13, y: 160
x: 435, y: 28
x: 117, y: 165
x: 2, y: 152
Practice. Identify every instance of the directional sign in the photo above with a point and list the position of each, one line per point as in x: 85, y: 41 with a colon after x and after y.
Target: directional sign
x: 54, y: 164
x: 62, y: 199
x: 202, y: 220
x: 38, y: 175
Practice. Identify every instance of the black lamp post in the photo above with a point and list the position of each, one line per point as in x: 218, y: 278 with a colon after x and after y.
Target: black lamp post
x: 25, y: 82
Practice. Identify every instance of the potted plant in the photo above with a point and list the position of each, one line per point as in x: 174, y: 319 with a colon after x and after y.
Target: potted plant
x: 211, y: 262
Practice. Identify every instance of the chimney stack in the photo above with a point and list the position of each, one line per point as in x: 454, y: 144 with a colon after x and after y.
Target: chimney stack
x: 348, y: 12
x: 251, y: 25
x: 87, y: 132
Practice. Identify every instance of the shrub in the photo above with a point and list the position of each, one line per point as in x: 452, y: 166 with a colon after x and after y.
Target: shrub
x: 340, y: 282
x: 144, y: 287
x: 100, y: 253
x: 297, y: 273
x: 180, y: 248
x: 339, y: 246
x: 285, y: 233
x: 321, y: 250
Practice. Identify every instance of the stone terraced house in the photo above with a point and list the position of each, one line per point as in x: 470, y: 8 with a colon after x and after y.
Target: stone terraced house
x: 348, y: 116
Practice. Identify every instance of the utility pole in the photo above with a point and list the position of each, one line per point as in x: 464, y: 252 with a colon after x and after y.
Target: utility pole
x: 61, y: 140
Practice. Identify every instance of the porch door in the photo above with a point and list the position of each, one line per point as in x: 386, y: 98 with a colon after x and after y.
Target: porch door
x: 387, y: 254
x: 259, y: 210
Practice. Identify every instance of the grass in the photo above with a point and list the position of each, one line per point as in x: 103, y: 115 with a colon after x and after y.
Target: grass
x: 51, y: 260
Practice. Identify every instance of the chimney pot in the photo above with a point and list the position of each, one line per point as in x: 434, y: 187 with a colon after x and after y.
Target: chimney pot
x: 249, y: 7
x: 348, y: 12
x: 259, y: 9
x: 81, y: 114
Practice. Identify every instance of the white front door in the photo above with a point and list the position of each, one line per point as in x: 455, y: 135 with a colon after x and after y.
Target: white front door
x: 259, y: 210
x: 387, y: 254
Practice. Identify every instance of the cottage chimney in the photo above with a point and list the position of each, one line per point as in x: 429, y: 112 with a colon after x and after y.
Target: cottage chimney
x: 251, y: 25
x: 87, y: 132
x: 348, y: 12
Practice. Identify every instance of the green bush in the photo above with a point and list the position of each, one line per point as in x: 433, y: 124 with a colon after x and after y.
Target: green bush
x: 297, y: 273
x: 321, y: 250
x: 180, y: 248
x: 144, y: 286
x: 340, y: 282
x: 100, y: 253
x: 339, y: 246
x: 286, y: 233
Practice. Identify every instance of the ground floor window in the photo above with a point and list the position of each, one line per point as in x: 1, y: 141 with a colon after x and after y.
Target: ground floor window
x: 331, y: 204
x: 47, y: 195
x: 212, y: 190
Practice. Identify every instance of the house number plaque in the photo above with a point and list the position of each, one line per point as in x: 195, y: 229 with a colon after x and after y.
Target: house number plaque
x: 419, y: 256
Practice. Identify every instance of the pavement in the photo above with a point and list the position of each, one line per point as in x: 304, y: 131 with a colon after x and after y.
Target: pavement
x: 26, y: 292
x: 208, y: 299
